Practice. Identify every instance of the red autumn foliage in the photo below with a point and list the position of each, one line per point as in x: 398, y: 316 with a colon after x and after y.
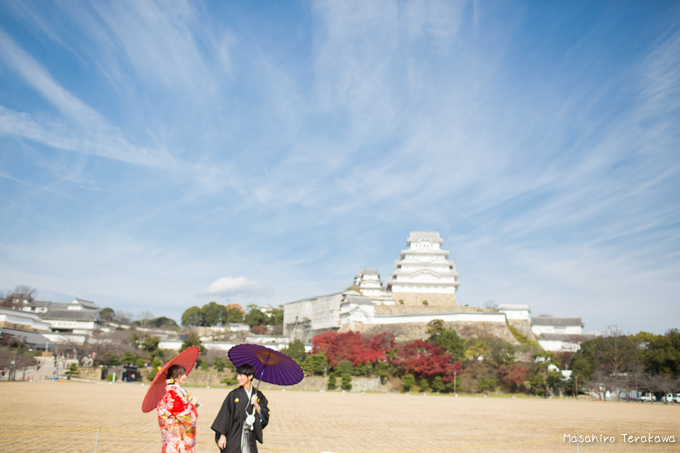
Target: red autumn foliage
x: 426, y: 360
x: 352, y: 346
x: 514, y: 375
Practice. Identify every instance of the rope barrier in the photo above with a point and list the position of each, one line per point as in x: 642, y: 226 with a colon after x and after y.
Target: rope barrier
x: 472, y: 447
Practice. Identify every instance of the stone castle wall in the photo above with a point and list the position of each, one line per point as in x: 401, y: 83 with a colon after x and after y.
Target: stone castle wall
x: 416, y: 299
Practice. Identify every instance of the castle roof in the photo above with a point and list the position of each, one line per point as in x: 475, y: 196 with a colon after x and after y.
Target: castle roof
x: 431, y: 236
x: 552, y: 321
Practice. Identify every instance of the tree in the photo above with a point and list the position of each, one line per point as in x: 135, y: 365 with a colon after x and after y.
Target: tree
x: 72, y: 369
x: 255, y: 317
x: 150, y: 343
x: 129, y: 358
x: 219, y: 364
x: 16, y: 299
x: 346, y: 381
x: 214, y: 314
x: 276, y: 316
x: 446, y: 338
x: 332, y: 384
x: 425, y: 360
x: 295, y: 350
x: 350, y: 346
x: 438, y: 384
x: 346, y: 367
x: 111, y: 358
x: 193, y: 317
x: 514, y: 375
x: 107, y: 314
x: 409, y: 382
x: 314, y: 363
x: 141, y: 363
x: 493, y: 350
x: 235, y: 313
x: 192, y: 340
x: 662, y: 353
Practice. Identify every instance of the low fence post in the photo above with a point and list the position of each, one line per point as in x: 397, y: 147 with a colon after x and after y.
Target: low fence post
x: 96, y: 438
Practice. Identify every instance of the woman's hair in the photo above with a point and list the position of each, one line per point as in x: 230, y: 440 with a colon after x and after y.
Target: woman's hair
x: 246, y: 370
x: 176, y: 371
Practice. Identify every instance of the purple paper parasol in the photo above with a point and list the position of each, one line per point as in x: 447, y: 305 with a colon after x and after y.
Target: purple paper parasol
x: 270, y: 366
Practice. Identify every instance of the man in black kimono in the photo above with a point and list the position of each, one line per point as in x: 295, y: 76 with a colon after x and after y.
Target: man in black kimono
x: 242, y: 417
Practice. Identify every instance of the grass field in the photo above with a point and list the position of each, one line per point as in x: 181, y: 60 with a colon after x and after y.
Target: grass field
x: 329, y: 421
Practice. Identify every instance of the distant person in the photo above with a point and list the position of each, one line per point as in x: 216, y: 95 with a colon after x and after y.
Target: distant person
x: 242, y: 417
x: 177, y: 414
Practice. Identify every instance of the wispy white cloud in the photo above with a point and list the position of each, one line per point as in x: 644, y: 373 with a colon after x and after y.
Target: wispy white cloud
x: 228, y: 285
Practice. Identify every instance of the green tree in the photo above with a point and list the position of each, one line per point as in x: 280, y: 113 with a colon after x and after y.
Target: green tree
x: 295, y: 350
x: 332, y: 383
x: 409, y: 382
x: 275, y: 316
x: 150, y: 343
x: 141, y: 363
x: 662, y: 354
x: 156, y: 363
x: 219, y: 364
x: 438, y: 385
x: 214, y: 314
x: 424, y: 385
x: 72, y: 369
x: 129, y: 358
x: 193, y: 316
x: 111, y: 358
x: 234, y: 315
x: 204, y: 365
x: 346, y: 366
x: 107, y: 314
x: 315, y: 363
x: 255, y: 317
x: 446, y: 338
x: 486, y: 384
x: 192, y: 340
x: 346, y: 381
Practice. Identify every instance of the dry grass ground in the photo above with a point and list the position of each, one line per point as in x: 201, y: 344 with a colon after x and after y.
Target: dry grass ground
x: 332, y: 422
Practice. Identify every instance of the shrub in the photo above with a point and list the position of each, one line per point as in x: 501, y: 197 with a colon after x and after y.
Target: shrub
x: 109, y: 377
x: 229, y: 381
x: 424, y: 385
x: 346, y: 367
x: 152, y: 374
x: 438, y: 384
x: 156, y: 362
x: 72, y: 369
x: 332, y: 383
x: 408, y: 382
x: 141, y: 363
x: 204, y: 365
x: 346, y: 381
x: 219, y: 364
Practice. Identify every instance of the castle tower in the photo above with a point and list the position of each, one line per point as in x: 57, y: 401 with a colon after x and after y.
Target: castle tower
x: 424, y: 273
x: 369, y: 283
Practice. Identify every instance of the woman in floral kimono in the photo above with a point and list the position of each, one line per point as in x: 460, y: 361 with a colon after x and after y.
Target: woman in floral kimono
x: 177, y: 414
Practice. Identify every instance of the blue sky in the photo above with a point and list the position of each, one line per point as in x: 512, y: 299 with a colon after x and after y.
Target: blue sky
x: 159, y: 155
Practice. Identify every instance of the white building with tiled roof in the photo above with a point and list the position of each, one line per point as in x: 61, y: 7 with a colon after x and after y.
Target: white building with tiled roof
x: 78, y: 316
x: 423, y: 272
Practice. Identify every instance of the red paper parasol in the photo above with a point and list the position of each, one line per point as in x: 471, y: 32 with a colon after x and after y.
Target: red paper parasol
x: 157, y: 388
x: 270, y: 366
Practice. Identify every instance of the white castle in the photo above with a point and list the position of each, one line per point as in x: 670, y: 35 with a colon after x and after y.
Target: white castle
x: 423, y: 274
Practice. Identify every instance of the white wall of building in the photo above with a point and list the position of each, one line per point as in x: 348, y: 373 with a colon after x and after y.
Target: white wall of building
x: 446, y: 317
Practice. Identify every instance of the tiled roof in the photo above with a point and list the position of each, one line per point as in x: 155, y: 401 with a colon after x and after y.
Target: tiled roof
x: 566, y: 337
x: 550, y: 321
x: 432, y: 236
x: 74, y: 315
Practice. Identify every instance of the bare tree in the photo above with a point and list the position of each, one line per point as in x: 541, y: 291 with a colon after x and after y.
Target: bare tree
x: 16, y: 299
